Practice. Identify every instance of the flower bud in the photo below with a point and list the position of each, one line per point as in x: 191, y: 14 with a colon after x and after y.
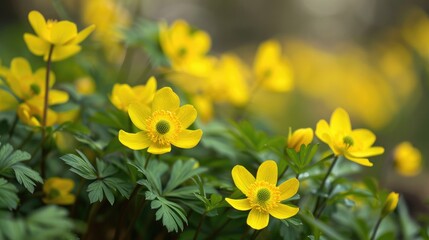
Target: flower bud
x: 299, y: 137
x: 390, y: 204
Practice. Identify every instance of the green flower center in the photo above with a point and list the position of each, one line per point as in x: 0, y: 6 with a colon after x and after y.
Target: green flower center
x: 182, y: 52
x: 263, y: 195
x: 35, y: 88
x: 162, y: 127
x: 53, y: 193
x: 348, y: 141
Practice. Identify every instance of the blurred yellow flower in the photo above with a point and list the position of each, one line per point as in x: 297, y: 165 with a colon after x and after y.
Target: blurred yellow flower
x: 204, y: 107
x: 182, y: 44
x: 354, y: 145
x: 299, y: 137
x: 60, y: 37
x: 263, y: 196
x: 162, y: 123
x: 271, y: 69
x: 407, y: 159
x: 123, y: 94
x: 85, y: 85
x: 57, y: 191
x: 390, y: 204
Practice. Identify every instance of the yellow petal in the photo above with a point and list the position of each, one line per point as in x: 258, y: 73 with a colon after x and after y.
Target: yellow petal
x: 267, y: 172
x: 239, y: 204
x: 202, y: 41
x: 340, y: 121
x: 188, y: 138
x: 242, y: 178
x: 8, y: 101
x: 122, y: 96
x: 361, y: 161
x: 20, y: 67
x: 62, y: 52
x: 155, y: 148
x: 139, y: 113
x: 62, y: 184
x: 369, y: 152
x: 323, y: 131
x: 36, y: 45
x: 57, y: 97
x: 257, y: 219
x: 40, y: 77
x: 38, y: 23
x: 165, y: 99
x: 62, y: 32
x: 363, y: 136
x: 288, y: 189
x: 135, y: 141
x: 283, y: 211
x: 187, y: 115
x: 82, y: 35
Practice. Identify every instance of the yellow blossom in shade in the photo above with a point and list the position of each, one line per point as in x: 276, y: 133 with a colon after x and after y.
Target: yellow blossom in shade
x: 271, y: 69
x: 57, y: 191
x: 407, y: 159
x: 183, y: 44
x: 355, y: 145
x: 299, y: 137
x: 263, y: 196
x: 163, y: 123
x: 204, y: 107
x: 85, y: 85
x: 62, y: 35
x: 390, y: 204
x: 123, y: 94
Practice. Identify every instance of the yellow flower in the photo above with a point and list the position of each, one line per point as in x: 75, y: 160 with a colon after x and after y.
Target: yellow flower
x: 271, y: 69
x: 354, y: 145
x: 407, y: 159
x: 85, y: 85
x: 390, y: 204
x: 57, y: 191
x: 299, y: 137
x: 204, y: 107
x: 62, y: 36
x: 182, y: 44
x: 263, y: 197
x: 162, y: 124
x: 123, y: 95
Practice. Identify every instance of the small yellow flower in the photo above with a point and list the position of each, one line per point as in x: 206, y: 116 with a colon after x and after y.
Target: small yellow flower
x: 204, y: 106
x: 57, y: 191
x: 355, y: 145
x: 407, y: 159
x: 299, y: 137
x: 62, y: 35
x: 390, y: 204
x: 85, y: 85
x: 182, y: 44
x: 263, y: 196
x: 271, y: 69
x: 123, y: 94
x: 162, y: 124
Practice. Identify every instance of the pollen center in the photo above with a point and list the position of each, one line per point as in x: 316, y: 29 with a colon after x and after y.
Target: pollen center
x: 162, y: 127
x: 348, y: 141
x: 263, y: 195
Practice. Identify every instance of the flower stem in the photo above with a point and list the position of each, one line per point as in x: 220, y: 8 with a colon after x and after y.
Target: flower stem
x: 147, y: 160
x: 124, y: 211
x: 199, y: 225
x: 376, y: 227
x: 45, y: 112
x: 318, y: 203
x: 12, y: 129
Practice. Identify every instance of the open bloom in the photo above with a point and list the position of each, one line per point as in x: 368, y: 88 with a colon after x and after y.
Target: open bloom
x: 390, y: 204
x: 271, y: 69
x: 57, y: 191
x: 407, y: 159
x: 123, y: 94
x: 61, y: 35
x: 299, y: 137
x: 162, y: 124
x: 263, y: 196
x: 355, y: 145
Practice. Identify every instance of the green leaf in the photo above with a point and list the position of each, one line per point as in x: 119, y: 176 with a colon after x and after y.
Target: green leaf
x: 80, y: 165
x: 319, y: 225
x: 8, y: 197
x: 10, y: 161
x: 182, y: 172
x: 97, y: 190
x: 124, y: 188
x: 172, y: 214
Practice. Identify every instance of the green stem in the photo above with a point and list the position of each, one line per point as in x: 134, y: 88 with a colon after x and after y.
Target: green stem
x: 255, y: 234
x: 92, y: 213
x: 12, y: 129
x: 134, y: 219
x: 323, y: 185
x: 147, y: 160
x: 125, y: 210
x: 376, y: 227
x: 199, y: 225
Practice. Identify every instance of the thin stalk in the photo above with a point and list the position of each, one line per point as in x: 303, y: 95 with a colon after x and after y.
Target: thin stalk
x: 376, y: 228
x: 147, y: 160
x: 134, y: 219
x: 14, y: 123
x: 255, y: 234
x: 125, y: 210
x: 199, y: 225
x: 323, y: 184
x: 92, y: 213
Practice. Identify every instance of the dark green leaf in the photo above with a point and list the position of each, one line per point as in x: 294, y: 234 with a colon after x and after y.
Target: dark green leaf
x: 8, y: 197
x: 80, y: 165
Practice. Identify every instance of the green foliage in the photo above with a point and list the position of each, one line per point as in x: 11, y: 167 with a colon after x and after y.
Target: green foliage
x: 11, y: 166
x: 300, y: 160
x: 8, y: 197
x: 50, y: 222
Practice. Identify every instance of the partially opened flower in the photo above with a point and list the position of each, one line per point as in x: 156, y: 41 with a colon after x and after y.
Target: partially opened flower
x: 163, y: 123
x: 355, y: 145
x: 407, y: 159
x: 57, y: 191
x: 390, y: 204
x: 61, y: 36
x: 299, y: 137
x: 263, y: 196
x: 123, y: 94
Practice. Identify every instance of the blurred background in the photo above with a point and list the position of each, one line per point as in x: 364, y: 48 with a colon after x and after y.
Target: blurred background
x: 370, y: 57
